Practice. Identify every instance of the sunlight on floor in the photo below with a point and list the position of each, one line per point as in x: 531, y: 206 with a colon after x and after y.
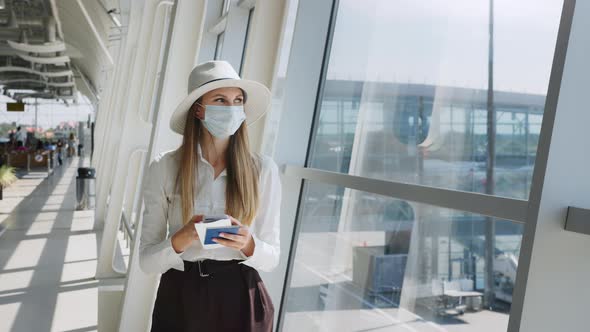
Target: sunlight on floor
x: 26, y: 254
x: 82, y: 221
x: 10, y: 281
x: 35, y: 175
x: 67, y: 317
x: 50, y: 207
x: 56, y: 199
x: 44, y: 216
x: 81, y: 247
x: 47, y: 256
x: 8, y: 313
x: 78, y: 271
x: 40, y: 227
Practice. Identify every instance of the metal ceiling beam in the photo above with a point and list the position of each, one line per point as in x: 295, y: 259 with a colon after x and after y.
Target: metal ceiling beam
x: 32, y: 81
x: 99, y: 40
x: 58, y: 46
x: 36, y: 72
x: 46, y: 60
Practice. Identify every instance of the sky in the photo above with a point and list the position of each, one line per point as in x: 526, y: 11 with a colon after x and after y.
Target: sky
x: 446, y: 42
x: 50, y: 112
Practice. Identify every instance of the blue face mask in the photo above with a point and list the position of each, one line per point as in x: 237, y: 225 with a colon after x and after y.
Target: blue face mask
x: 223, y: 121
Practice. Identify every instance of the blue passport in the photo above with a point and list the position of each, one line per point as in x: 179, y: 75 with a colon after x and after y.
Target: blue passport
x: 213, y: 232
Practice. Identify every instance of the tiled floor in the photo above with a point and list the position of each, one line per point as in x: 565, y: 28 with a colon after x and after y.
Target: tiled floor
x: 48, y: 255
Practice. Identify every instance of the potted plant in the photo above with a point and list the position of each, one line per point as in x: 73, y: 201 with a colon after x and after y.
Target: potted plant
x: 7, y: 177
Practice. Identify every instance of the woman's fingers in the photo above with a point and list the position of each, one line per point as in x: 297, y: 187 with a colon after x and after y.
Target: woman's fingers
x: 233, y: 237
x: 243, y: 229
x: 227, y: 243
x: 237, y: 241
x: 235, y: 221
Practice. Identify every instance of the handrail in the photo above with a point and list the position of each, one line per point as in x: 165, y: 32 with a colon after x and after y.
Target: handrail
x: 577, y: 220
x: 128, y: 229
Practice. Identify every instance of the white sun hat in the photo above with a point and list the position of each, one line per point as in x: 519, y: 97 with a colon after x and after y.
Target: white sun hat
x: 212, y: 75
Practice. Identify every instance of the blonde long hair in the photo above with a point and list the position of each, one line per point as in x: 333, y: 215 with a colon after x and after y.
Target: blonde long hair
x: 243, y: 169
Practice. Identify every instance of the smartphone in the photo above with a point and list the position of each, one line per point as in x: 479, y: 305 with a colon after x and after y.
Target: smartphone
x: 213, y: 232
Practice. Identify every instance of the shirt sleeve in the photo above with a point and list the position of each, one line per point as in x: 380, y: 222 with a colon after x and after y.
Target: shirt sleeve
x: 266, y: 226
x: 156, y: 254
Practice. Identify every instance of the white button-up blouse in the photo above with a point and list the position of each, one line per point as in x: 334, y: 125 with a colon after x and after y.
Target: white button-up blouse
x: 162, y: 215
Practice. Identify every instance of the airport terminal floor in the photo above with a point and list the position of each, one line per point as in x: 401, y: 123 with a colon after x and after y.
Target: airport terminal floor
x: 411, y: 165
x: 48, y: 255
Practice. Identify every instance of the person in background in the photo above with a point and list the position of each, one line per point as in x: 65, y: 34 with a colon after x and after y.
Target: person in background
x: 40, y: 145
x: 11, y: 138
x: 71, y: 145
x: 59, y: 149
x: 21, y: 136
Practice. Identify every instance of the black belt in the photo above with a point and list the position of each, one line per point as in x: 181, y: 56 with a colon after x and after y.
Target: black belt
x: 208, y: 267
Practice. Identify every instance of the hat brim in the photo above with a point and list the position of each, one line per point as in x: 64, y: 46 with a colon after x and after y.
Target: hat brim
x: 257, y: 101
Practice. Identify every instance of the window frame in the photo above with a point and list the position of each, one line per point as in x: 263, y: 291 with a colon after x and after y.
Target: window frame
x: 228, y: 23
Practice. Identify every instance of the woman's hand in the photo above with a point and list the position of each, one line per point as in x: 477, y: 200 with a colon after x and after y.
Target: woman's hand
x: 183, y: 238
x: 242, y: 241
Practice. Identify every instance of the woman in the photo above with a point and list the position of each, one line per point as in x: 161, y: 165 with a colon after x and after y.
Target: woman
x: 59, y: 149
x: 213, y: 172
x: 71, y: 145
x: 40, y: 145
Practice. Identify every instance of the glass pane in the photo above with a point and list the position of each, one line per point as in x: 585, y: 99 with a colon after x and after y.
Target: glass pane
x: 365, y: 262
x: 406, y: 93
x: 246, y: 38
x: 273, y: 117
x: 225, y: 7
x: 219, y: 46
x: 52, y: 116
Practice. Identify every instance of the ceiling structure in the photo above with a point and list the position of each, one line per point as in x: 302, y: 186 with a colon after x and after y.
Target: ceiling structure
x: 52, y: 49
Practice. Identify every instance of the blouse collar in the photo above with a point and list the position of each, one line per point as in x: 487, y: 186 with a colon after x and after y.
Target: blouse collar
x: 202, y: 158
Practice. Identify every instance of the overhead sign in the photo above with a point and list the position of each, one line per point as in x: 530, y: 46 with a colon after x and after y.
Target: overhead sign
x: 15, y: 107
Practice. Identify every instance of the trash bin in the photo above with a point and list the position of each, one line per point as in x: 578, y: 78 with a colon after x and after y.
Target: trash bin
x: 85, y: 194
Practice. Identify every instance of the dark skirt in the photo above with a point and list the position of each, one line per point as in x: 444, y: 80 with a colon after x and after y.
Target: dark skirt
x: 215, y: 296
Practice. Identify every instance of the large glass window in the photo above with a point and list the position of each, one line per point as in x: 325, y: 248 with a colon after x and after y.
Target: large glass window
x: 225, y: 7
x: 219, y: 46
x: 367, y: 262
x: 248, y: 26
x: 405, y: 97
x: 232, y: 31
x: 278, y: 85
x: 406, y: 93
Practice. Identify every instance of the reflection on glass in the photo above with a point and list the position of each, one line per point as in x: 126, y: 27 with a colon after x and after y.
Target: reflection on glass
x: 406, y: 99
x: 219, y: 46
x: 246, y: 39
x: 225, y: 7
x: 273, y: 117
x: 368, y: 262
